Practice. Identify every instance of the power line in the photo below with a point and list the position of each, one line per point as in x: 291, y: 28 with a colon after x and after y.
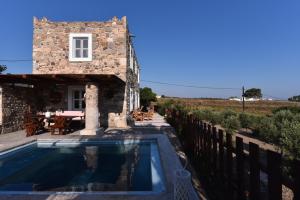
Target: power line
x: 156, y: 82
x: 205, y: 87
x: 193, y: 86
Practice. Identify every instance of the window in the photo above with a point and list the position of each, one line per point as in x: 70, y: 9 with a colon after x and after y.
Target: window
x: 78, y: 100
x: 80, y: 47
x: 131, y: 99
x: 131, y: 57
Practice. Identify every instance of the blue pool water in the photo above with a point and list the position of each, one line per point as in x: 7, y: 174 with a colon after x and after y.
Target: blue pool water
x: 96, y: 166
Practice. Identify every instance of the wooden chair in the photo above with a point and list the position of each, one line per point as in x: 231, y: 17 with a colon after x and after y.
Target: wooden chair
x: 31, y: 128
x: 148, y: 115
x: 32, y: 124
x: 61, y: 124
x: 137, y: 115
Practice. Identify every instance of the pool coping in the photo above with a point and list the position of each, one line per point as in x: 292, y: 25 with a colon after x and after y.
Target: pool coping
x: 168, y: 158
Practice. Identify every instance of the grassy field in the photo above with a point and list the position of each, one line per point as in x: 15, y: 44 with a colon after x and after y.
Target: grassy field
x: 258, y: 107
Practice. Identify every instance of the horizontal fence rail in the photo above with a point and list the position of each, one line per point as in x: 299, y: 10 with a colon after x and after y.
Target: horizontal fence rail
x: 236, y: 166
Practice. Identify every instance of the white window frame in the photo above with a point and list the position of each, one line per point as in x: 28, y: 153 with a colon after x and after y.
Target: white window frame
x: 71, y: 47
x: 131, y: 106
x: 131, y: 57
x: 70, y: 95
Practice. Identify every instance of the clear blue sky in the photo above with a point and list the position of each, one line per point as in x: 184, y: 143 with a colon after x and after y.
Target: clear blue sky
x: 229, y: 43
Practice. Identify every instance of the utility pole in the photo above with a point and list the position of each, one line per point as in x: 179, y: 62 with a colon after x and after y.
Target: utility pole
x: 243, y: 97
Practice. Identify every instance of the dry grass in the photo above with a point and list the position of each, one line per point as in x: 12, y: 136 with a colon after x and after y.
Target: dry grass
x: 258, y: 107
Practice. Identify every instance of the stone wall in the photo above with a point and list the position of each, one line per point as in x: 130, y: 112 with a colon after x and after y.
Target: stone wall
x: 15, y: 102
x: 51, y: 47
x: 112, y: 106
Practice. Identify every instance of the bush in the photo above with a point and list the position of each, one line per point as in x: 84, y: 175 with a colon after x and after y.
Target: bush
x: 231, y: 123
x: 161, y: 108
x: 267, y: 130
x: 282, y: 128
x: 282, y: 117
x: 216, y: 118
x: 202, y: 114
x: 247, y: 120
x: 293, y: 109
x: 290, y: 139
x: 228, y: 113
x: 147, y: 96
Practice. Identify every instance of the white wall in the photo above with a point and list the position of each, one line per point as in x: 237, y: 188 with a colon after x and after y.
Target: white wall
x: 131, y: 100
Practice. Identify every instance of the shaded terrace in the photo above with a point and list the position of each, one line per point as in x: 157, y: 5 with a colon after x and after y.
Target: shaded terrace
x: 39, y: 91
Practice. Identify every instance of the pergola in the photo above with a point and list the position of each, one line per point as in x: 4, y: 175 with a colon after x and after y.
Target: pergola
x: 33, y: 79
x: 91, y: 82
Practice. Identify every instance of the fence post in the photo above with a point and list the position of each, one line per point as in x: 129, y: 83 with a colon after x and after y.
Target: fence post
x: 189, y: 137
x: 209, y: 146
x: 229, y: 165
x: 204, y: 139
x: 214, y: 137
x: 274, y: 175
x: 240, y: 168
x: 198, y: 137
x: 254, y: 171
x: 221, y: 154
x: 296, y: 171
x: 198, y: 147
x: 195, y: 135
x: 200, y: 144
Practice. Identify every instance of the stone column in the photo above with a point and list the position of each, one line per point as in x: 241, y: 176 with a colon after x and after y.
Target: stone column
x: 92, y: 124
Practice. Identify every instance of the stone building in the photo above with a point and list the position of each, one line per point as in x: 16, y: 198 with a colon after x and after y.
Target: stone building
x: 87, y: 66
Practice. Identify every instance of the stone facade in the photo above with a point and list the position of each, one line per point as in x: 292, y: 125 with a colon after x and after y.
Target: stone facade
x: 109, y: 47
x: 112, y: 54
x: 15, y: 102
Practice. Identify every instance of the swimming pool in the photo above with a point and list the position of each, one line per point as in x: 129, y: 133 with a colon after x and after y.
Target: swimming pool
x: 129, y: 166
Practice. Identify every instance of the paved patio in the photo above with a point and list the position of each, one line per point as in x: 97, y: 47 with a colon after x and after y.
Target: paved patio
x: 156, y: 128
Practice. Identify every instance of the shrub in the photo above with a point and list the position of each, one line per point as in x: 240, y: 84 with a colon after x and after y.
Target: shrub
x: 290, y: 139
x: 247, y: 120
x: 231, y: 123
x: 165, y: 105
x: 293, y: 109
x: 202, y: 114
x: 147, y: 96
x: 282, y: 117
x: 228, y: 113
x: 216, y: 118
x: 267, y: 130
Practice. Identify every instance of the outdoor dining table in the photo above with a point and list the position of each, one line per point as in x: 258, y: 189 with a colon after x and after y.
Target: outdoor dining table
x: 50, y: 119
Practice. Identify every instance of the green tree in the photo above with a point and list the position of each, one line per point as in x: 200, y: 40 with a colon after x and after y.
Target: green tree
x: 2, y: 68
x: 295, y: 98
x: 253, y: 93
x: 147, y: 96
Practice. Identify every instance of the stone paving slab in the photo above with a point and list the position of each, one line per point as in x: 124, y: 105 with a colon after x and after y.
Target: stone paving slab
x: 157, y: 121
x: 18, y: 138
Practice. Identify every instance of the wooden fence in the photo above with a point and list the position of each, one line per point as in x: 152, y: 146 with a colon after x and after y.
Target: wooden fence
x: 237, y: 166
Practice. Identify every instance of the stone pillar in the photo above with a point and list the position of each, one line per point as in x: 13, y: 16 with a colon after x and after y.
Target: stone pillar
x: 92, y: 124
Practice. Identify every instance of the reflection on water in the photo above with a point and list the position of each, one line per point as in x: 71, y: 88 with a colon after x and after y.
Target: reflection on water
x: 91, y: 157
x: 105, y: 167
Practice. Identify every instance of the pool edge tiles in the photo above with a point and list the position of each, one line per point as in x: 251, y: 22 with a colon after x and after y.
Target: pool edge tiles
x: 16, y: 149
x: 157, y: 177
x: 74, y: 143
